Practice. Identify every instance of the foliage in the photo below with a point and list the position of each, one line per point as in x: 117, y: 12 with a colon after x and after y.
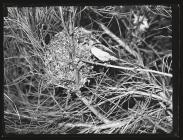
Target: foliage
x: 131, y: 95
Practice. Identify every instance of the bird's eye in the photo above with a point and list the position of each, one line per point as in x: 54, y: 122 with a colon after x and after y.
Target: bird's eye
x: 81, y: 40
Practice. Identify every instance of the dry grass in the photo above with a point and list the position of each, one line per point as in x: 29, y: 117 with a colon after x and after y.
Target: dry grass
x: 133, y: 95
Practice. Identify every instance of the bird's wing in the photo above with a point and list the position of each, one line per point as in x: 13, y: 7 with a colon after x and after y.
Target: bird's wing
x: 102, y: 55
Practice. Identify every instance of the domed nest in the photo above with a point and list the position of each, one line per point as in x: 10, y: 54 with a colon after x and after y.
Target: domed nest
x: 62, y: 59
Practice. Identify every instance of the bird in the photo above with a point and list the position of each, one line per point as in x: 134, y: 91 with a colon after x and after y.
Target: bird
x: 96, y: 48
x: 72, y: 72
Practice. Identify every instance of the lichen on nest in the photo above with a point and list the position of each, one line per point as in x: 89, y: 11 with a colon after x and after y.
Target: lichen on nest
x: 61, y: 60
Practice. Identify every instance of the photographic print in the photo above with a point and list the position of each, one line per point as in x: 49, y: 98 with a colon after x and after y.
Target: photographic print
x: 88, y: 70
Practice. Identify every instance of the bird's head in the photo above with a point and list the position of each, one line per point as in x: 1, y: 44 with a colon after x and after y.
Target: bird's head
x: 84, y: 37
x: 86, y: 40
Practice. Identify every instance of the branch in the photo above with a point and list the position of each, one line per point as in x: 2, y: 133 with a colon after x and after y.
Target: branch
x: 117, y: 39
x: 86, y: 102
x: 130, y: 68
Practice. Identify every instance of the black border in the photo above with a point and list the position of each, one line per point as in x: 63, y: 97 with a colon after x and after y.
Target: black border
x: 177, y: 65
x: 30, y: 3
x: 176, y: 72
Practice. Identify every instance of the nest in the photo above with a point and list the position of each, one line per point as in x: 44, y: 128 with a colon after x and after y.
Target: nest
x: 63, y: 61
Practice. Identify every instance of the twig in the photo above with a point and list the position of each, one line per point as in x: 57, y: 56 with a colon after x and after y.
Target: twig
x: 117, y: 39
x: 130, y: 68
x: 62, y: 19
x: 125, y: 93
x: 86, y: 102
x: 115, y: 124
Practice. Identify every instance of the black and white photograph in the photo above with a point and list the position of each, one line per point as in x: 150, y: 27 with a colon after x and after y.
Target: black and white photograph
x: 88, y: 70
